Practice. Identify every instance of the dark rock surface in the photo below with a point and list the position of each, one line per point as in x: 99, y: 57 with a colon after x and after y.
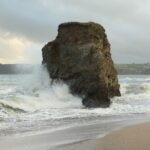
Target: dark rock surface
x: 80, y: 56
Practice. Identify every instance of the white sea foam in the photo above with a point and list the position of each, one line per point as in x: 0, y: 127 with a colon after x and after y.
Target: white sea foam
x: 31, y: 102
x: 40, y: 99
x: 36, y: 92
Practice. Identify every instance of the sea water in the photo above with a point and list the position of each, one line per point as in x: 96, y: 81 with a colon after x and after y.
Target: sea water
x: 32, y: 103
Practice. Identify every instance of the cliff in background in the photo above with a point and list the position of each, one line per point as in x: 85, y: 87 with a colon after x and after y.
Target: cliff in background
x: 16, y: 68
x: 122, y: 69
x: 137, y: 69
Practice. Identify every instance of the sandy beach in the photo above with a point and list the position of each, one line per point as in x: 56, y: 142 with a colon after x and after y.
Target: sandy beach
x: 136, y: 137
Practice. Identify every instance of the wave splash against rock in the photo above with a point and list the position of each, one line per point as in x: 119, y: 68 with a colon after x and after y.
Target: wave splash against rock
x: 80, y: 56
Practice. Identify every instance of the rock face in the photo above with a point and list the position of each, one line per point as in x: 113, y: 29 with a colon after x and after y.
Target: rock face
x: 80, y: 56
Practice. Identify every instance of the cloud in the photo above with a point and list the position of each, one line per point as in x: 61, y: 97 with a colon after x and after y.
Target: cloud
x: 14, y: 49
x: 25, y: 18
x: 126, y: 22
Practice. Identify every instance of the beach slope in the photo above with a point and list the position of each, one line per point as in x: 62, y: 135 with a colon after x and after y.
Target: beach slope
x: 136, y: 137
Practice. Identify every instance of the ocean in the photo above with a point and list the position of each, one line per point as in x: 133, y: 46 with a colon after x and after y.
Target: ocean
x: 32, y: 104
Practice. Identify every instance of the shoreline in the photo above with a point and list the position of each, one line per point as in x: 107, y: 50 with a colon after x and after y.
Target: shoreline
x: 74, y: 138
x: 133, y: 137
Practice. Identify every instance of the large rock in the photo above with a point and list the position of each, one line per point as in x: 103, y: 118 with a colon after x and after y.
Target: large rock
x: 80, y: 56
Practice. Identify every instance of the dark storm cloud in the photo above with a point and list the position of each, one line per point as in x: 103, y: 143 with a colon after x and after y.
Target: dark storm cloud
x: 126, y: 22
x: 26, y: 18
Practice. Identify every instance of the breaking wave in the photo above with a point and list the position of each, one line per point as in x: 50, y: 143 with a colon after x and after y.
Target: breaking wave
x: 35, y: 93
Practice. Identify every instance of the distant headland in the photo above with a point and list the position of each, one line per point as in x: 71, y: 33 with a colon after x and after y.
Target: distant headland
x: 123, y: 69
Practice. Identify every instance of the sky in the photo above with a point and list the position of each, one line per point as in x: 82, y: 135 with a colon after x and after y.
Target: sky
x: 27, y: 25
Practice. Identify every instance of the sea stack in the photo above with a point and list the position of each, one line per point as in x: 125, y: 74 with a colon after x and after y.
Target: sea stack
x: 80, y: 56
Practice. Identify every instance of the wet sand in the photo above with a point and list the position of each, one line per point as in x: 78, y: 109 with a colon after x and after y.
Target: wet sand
x: 85, y: 137
x: 136, y: 137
